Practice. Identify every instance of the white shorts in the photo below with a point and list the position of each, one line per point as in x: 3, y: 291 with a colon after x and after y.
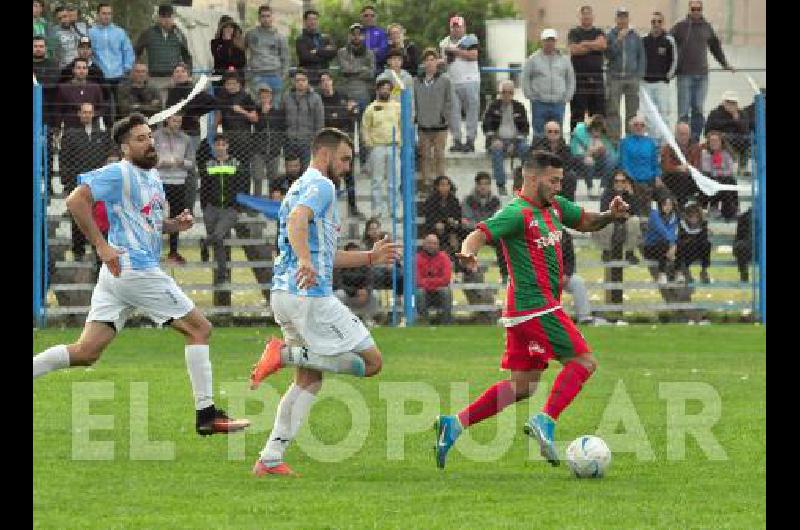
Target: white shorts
x: 324, y: 325
x: 152, y: 292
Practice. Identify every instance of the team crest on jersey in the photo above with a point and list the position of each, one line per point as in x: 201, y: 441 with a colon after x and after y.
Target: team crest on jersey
x: 147, y: 212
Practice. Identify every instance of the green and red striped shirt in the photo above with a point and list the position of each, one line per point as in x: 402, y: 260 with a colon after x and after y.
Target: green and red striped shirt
x: 530, y: 237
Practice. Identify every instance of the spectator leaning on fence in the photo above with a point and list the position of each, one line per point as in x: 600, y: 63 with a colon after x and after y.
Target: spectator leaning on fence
x: 638, y: 156
x: 626, y: 68
x: 381, y: 132
x: 315, y: 51
x: 694, y: 37
x: 375, y: 37
x: 397, y: 41
x: 304, y: 117
x: 433, y: 101
x: 434, y: 272
x: 624, y: 233
x: 591, y: 144
x: 269, y: 54
x: 660, y: 240
x: 548, y: 81
x: 717, y: 163
x: 693, y: 244
x: 165, y: 46
x: 175, y: 160
x: 460, y: 52
x: 357, y: 66
x: 661, y: 58
x: 113, y: 50
x: 586, y: 44
x: 505, y: 125
x: 354, y: 287
x: 675, y: 174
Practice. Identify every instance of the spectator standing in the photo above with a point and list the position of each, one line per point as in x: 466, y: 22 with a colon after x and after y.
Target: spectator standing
x: 661, y: 59
x: 165, y: 46
x: 638, y: 156
x: 84, y: 147
x: 693, y: 244
x: 675, y: 174
x: 269, y: 54
x: 660, y: 240
x: 433, y: 101
x: 382, y: 135
x: 394, y: 72
x: 269, y: 137
x: 65, y: 38
x: 548, y: 81
x: 695, y: 37
x: 113, y: 51
x: 590, y: 143
x: 626, y: 67
x: 70, y: 95
x: 460, y: 52
x: 717, y: 163
x: 175, y: 160
x: 375, y: 37
x: 200, y: 105
x: 357, y: 66
x: 135, y: 95
x: 237, y: 114
x: 397, y: 41
x: 315, y: 51
x: 227, y: 48
x: 305, y: 116
x: 46, y: 71
x: 586, y: 44
x: 354, y: 287
x: 434, y: 272
x: 39, y: 22
x: 94, y: 75
x: 505, y: 125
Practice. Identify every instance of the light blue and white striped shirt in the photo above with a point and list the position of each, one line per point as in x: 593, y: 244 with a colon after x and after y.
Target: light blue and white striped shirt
x: 136, y: 205
x: 317, y: 192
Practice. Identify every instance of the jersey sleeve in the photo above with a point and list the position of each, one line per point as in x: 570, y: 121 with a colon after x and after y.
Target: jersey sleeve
x: 318, y: 196
x: 571, y: 213
x: 506, y: 222
x: 104, y: 183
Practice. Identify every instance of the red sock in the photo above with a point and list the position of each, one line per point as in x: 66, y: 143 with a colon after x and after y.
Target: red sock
x: 565, y: 388
x: 496, y: 398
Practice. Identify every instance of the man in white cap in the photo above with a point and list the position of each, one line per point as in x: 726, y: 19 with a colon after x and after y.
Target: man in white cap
x: 460, y: 54
x: 731, y: 122
x: 548, y: 81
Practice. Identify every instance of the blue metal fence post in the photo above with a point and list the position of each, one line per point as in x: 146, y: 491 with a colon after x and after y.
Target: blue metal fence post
x: 37, y: 204
x: 761, y: 219
x: 407, y: 175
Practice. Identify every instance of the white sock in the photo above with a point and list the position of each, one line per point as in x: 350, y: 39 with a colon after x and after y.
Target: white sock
x: 292, y: 412
x: 199, y: 367
x: 53, y: 358
x: 343, y: 363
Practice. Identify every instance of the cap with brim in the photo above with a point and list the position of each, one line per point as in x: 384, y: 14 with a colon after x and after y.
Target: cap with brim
x: 730, y: 95
x: 549, y: 33
x: 622, y: 11
x: 355, y: 26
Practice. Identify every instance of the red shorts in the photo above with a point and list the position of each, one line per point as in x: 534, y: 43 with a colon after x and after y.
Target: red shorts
x: 531, y: 344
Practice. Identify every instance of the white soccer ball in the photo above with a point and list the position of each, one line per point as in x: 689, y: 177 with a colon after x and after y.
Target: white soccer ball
x: 588, y: 457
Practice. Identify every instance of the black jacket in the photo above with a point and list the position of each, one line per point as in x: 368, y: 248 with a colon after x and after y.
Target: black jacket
x: 494, y: 115
x: 353, y: 279
x: 437, y: 210
x: 81, y: 152
x: 231, y: 120
x: 694, y: 40
x: 47, y: 73
x: 567, y: 254
x: 227, y: 55
x: 315, y: 62
x: 270, y: 132
x: 721, y: 120
x: 689, y: 235
x: 660, y: 58
x: 336, y: 113
x: 200, y: 105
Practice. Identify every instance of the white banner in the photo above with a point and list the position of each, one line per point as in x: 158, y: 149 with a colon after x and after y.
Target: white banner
x: 166, y: 113
x: 707, y: 186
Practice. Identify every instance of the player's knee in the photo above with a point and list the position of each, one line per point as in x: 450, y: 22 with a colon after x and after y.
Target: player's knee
x: 82, y: 354
x: 588, y: 362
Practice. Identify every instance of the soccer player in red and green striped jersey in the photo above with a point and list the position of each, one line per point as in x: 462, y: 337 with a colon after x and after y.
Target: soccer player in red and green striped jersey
x: 529, y: 230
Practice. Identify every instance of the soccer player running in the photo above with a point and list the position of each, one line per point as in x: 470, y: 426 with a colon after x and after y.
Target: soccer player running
x: 130, y: 277
x: 321, y: 334
x: 529, y: 229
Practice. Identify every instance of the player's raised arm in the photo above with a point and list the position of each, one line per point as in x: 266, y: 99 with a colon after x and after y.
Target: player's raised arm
x: 592, y: 222
x: 297, y: 231
x: 384, y: 252
x: 79, y: 203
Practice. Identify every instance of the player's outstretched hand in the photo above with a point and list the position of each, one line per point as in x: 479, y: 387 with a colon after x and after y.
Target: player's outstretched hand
x: 386, y: 251
x: 469, y: 261
x: 306, y: 275
x: 619, y: 208
x: 110, y: 256
x: 184, y: 220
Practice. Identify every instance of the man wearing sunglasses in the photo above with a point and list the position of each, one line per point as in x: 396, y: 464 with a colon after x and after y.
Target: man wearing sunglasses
x: 694, y: 36
x: 661, y: 58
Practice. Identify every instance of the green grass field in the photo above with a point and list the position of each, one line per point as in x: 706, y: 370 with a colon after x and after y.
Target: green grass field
x: 206, y: 482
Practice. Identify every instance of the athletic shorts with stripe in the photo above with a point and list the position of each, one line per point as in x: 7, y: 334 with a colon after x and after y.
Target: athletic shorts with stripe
x: 531, y: 344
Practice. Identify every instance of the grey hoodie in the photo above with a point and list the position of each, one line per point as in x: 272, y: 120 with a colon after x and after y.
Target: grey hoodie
x: 358, y: 72
x: 269, y: 51
x: 433, y: 102
x: 66, y: 44
x: 548, y: 78
x: 305, y: 115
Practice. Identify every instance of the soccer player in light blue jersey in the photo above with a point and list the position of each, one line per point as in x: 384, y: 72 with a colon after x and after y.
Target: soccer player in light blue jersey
x: 130, y: 277
x: 321, y: 334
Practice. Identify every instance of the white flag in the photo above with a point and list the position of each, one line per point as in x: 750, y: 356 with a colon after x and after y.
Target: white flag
x: 707, y: 186
x: 166, y: 113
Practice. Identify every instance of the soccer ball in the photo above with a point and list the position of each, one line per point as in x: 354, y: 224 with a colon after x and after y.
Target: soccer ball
x: 588, y: 457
